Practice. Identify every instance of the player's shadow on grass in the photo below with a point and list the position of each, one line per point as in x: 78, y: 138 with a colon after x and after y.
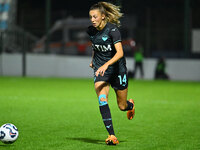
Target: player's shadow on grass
x: 5, y: 145
x: 89, y: 140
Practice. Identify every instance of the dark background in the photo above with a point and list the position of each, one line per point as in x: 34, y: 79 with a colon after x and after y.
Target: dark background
x: 167, y: 23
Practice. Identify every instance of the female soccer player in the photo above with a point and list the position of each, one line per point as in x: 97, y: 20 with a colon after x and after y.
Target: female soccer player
x: 108, y: 63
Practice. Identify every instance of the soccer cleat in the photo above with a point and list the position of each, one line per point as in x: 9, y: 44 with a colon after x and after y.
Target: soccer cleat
x: 111, y: 140
x: 131, y: 113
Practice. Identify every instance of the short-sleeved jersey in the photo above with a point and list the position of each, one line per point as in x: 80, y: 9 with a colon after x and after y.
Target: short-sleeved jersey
x: 103, y: 46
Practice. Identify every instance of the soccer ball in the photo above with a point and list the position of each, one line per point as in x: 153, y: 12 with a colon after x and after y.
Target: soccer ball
x: 8, y: 133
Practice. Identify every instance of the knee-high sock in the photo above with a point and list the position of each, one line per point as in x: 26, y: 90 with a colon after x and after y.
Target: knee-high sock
x: 106, y: 116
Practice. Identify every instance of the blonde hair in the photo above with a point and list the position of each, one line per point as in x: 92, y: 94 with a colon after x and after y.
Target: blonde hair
x: 111, y: 11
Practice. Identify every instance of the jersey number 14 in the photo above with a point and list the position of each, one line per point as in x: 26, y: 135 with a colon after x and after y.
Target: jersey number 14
x: 122, y: 80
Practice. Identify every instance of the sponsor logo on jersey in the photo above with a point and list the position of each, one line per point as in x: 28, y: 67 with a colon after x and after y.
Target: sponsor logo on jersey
x: 113, y: 29
x: 102, y: 48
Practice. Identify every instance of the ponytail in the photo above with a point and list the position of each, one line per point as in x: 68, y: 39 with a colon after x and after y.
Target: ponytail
x: 111, y: 11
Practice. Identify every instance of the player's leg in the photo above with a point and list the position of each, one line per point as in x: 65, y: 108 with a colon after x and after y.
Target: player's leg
x: 124, y: 104
x: 122, y: 98
x: 102, y: 87
x: 135, y: 68
x: 120, y: 84
x: 141, y: 69
x: 102, y: 90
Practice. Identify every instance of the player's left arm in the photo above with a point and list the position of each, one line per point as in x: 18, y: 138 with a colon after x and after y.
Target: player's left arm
x: 119, y: 54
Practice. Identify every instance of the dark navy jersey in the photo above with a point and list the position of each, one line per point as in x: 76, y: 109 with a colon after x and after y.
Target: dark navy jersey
x: 103, y: 46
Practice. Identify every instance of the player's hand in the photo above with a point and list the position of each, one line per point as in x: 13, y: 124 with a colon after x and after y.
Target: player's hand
x: 91, y: 65
x: 101, y: 70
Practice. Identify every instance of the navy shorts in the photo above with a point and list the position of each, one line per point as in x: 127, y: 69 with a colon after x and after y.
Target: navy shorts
x: 117, y: 81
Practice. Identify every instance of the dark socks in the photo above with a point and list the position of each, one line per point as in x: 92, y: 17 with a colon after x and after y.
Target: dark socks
x: 129, y: 106
x: 106, y: 116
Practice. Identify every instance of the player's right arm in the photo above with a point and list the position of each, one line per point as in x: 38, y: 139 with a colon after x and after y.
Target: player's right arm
x: 91, y: 63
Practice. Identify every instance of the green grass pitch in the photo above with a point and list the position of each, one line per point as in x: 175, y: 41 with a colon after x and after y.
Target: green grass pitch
x: 63, y: 114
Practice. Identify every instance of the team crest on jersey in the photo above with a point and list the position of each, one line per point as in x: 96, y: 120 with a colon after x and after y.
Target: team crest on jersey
x: 104, y: 37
